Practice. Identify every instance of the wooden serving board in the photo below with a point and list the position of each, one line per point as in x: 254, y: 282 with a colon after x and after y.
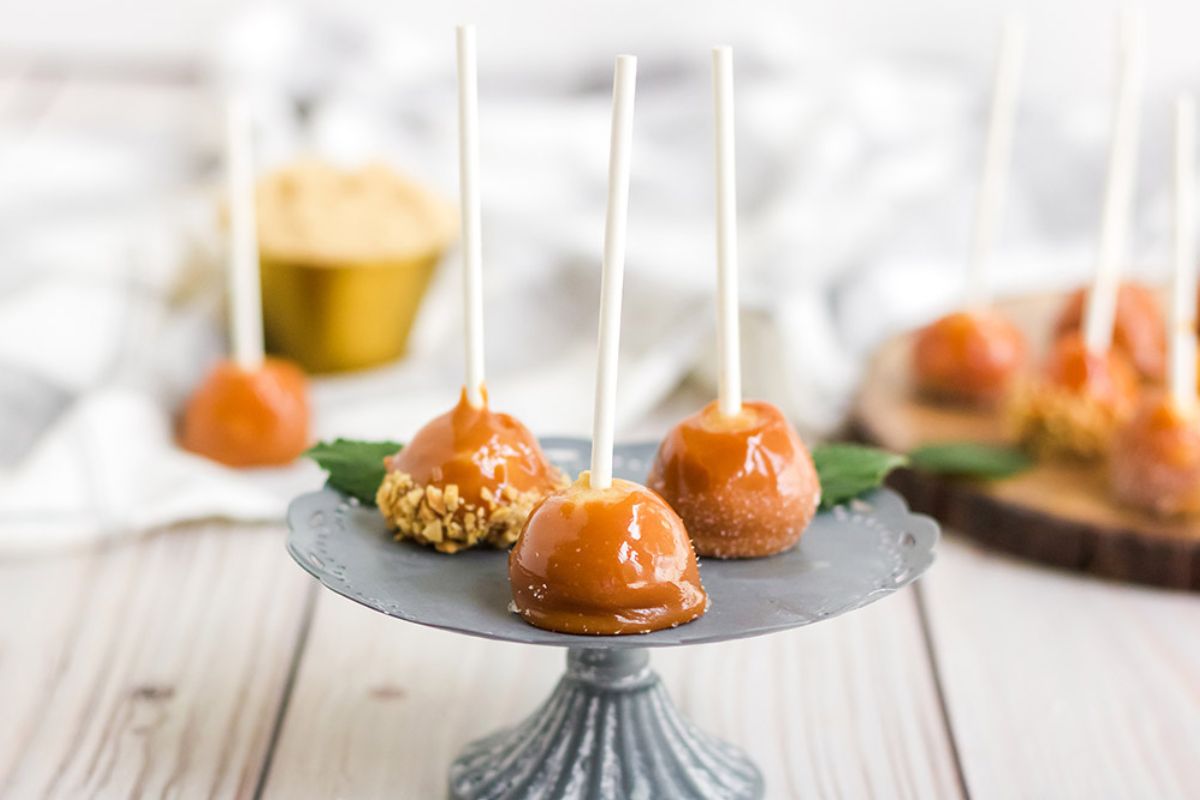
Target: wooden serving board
x: 1059, y: 514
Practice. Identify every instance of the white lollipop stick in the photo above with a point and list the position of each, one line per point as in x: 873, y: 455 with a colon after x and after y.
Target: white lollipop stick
x: 729, y: 376
x: 245, y: 291
x: 1118, y: 190
x: 468, y: 175
x: 1183, y: 307
x: 993, y: 185
x: 612, y: 275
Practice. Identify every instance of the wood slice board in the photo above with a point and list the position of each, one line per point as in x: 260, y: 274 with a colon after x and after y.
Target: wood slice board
x: 1059, y: 514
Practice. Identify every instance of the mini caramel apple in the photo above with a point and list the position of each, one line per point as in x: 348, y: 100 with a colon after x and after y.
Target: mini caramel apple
x: 1155, y: 460
x: 736, y: 472
x: 968, y: 356
x: 1076, y: 405
x: 971, y: 356
x: 251, y: 410
x: 1139, y: 332
x: 605, y: 561
x: 744, y: 484
x: 468, y: 478
x: 1089, y: 388
x: 249, y: 417
x: 607, y: 556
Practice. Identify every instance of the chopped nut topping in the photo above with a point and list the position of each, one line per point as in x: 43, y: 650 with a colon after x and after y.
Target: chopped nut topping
x: 439, y: 516
x: 1053, y: 422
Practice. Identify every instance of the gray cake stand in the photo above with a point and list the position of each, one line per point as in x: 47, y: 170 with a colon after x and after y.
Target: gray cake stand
x: 609, y: 730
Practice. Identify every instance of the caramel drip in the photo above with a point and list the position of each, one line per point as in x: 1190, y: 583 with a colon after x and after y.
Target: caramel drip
x: 605, y: 561
x: 476, y: 449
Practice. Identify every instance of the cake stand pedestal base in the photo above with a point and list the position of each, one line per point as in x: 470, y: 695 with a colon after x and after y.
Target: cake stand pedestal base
x: 609, y: 730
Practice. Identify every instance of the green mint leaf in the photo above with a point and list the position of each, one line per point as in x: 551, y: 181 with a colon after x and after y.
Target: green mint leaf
x: 848, y: 470
x: 970, y: 460
x: 354, y: 467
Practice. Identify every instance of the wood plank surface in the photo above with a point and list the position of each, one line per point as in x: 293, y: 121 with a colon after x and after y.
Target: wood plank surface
x: 846, y: 708
x: 150, y: 669
x: 1062, y: 686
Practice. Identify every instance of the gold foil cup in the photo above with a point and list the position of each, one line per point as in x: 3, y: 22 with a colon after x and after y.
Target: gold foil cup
x: 333, y: 317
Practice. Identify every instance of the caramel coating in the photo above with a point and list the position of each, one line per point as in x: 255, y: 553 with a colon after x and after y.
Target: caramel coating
x: 605, y: 561
x: 476, y: 449
x: 249, y: 418
x: 468, y: 477
x: 1155, y: 462
x: 745, y: 486
x: 1077, y: 406
x: 1139, y: 332
x: 968, y: 357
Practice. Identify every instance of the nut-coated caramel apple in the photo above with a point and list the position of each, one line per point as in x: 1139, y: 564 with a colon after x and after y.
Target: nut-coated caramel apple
x: 468, y: 477
x: 1139, y: 332
x: 605, y: 561
x: 968, y: 357
x: 249, y: 418
x: 744, y: 485
x: 1155, y: 460
x: 1076, y: 407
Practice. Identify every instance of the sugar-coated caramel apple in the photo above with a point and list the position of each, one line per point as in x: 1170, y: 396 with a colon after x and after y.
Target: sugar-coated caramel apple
x: 744, y: 485
x: 605, y: 561
x: 468, y: 477
x: 1155, y: 460
x: 1139, y: 332
x: 968, y: 356
x: 249, y: 418
x: 1079, y: 402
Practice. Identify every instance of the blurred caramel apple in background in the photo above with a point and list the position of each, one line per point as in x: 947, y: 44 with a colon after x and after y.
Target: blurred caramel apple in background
x: 968, y: 357
x: 745, y: 485
x: 249, y: 418
x: 605, y: 561
x: 346, y: 257
x: 1076, y: 406
x: 1139, y: 332
x: 1155, y: 463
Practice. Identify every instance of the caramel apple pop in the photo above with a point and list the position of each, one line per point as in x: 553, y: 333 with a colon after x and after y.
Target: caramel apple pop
x: 735, y: 471
x: 470, y: 476
x: 1088, y: 389
x: 971, y: 355
x: 250, y: 410
x: 1155, y: 463
x: 1139, y: 333
x: 607, y: 556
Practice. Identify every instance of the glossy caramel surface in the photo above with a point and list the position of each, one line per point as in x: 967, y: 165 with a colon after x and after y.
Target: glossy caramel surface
x: 1139, y: 332
x: 476, y: 448
x: 605, y: 561
x: 1155, y: 461
x: 245, y: 418
x: 1106, y: 378
x: 970, y: 357
x: 745, y: 486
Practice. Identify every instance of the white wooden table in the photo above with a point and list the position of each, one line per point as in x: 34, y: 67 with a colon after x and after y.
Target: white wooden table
x: 201, y: 662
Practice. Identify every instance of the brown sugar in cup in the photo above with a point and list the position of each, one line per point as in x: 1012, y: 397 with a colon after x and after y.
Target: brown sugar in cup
x: 346, y: 256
